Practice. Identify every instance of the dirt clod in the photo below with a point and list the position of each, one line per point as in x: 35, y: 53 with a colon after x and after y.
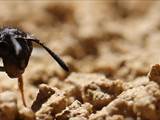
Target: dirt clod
x: 111, y: 47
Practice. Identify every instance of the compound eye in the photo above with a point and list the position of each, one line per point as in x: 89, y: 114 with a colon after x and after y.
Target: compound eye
x: 4, y: 49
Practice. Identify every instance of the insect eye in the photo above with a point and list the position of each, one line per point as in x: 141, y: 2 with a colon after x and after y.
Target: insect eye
x: 4, y: 49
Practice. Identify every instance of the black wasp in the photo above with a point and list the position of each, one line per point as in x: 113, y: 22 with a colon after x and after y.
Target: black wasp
x: 15, y: 51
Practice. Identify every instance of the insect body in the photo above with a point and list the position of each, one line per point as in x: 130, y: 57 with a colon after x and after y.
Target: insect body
x: 15, y: 51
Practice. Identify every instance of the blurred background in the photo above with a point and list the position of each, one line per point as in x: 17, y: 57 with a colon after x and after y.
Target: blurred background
x: 118, y: 38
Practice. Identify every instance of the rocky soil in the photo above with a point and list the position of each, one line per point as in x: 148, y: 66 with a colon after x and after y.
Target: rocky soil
x: 111, y: 47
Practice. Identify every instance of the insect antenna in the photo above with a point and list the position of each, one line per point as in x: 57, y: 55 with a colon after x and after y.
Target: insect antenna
x: 60, y: 61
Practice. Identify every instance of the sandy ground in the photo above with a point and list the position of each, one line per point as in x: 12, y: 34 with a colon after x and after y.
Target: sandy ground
x: 111, y: 48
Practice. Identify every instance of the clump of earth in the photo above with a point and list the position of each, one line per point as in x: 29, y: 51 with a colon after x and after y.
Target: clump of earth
x: 112, y: 50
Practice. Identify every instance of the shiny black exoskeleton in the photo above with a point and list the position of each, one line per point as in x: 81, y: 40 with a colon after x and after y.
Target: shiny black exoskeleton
x: 15, y: 51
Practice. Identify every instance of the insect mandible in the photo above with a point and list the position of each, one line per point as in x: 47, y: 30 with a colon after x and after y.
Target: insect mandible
x: 15, y: 51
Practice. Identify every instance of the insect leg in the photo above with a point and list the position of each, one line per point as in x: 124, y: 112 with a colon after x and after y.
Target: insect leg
x: 2, y: 69
x: 20, y: 85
